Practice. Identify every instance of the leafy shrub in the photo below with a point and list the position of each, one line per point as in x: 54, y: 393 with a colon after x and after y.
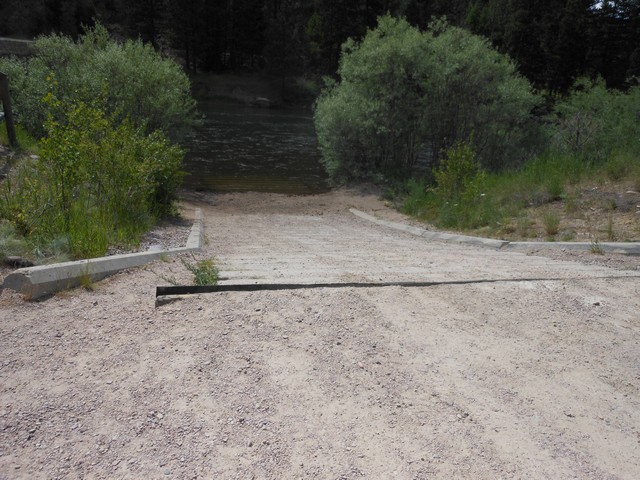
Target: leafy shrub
x: 460, y: 189
x: 406, y: 95
x: 458, y: 199
x: 417, y: 200
x: 135, y: 81
x: 551, y: 222
x: 97, y: 181
x: 204, y: 272
x: 595, y: 122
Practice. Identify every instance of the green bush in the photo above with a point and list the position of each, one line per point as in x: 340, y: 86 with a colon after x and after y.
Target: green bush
x: 594, y: 123
x: 204, y: 272
x: 97, y: 181
x: 458, y: 199
x: 136, y: 82
x: 459, y: 190
x: 405, y: 95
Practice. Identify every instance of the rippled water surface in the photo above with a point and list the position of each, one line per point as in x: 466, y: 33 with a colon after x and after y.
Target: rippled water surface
x: 241, y: 148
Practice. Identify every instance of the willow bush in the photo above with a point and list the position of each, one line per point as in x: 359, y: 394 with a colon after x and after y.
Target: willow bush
x: 97, y: 182
x: 105, y: 112
x: 405, y: 95
x: 136, y: 82
x: 595, y: 123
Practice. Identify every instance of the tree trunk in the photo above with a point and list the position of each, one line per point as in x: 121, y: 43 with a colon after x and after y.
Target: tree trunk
x: 8, y: 113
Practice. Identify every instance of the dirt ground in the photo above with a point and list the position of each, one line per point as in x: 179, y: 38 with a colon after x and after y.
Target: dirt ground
x: 533, y: 372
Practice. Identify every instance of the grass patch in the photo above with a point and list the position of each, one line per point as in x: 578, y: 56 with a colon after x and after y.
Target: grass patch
x: 86, y: 282
x: 26, y: 142
x: 551, y: 223
x: 596, y: 248
x: 11, y: 243
x: 503, y: 204
x: 204, y: 271
x: 523, y: 225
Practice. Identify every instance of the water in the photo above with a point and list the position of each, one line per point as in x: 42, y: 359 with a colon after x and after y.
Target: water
x: 240, y: 148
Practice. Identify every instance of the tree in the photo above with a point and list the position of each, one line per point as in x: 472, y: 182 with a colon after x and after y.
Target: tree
x: 405, y: 95
x: 29, y: 18
x: 284, y: 51
x: 556, y: 41
x: 331, y: 23
x: 616, y: 30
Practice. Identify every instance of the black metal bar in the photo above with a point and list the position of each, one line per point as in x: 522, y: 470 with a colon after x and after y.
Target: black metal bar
x: 195, y: 289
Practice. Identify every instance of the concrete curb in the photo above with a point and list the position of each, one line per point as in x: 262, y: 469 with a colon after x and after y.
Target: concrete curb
x: 35, y: 282
x: 430, y: 235
x: 631, y: 248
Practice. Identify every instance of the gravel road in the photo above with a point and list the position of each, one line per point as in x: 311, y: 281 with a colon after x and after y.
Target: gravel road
x: 510, y: 366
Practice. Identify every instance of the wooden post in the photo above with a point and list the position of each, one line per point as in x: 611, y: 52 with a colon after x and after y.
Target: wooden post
x: 5, y: 99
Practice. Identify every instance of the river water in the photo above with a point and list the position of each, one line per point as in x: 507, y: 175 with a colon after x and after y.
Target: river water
x: 241, y: 148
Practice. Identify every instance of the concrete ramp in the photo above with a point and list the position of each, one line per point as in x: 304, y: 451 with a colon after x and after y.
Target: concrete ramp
x: 334, y: 248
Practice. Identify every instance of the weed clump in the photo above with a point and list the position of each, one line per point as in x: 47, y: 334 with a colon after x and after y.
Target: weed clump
x: 204, y: 272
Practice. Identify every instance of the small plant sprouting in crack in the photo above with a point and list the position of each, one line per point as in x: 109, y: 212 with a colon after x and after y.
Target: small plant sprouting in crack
x: 204, y: 272
x: 596, y: 248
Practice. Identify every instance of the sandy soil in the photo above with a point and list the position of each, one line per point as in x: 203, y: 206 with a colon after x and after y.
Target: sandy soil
x: 507, y: 379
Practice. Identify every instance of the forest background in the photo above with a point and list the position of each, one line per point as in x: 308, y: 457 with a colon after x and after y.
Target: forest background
x: 553, y: 42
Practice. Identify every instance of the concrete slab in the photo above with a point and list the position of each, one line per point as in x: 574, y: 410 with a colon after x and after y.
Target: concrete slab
x: 631, y: 248
x: 431, y: 235
x: 35, y: 282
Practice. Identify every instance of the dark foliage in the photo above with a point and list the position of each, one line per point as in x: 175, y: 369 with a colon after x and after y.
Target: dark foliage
x: 553, y: 41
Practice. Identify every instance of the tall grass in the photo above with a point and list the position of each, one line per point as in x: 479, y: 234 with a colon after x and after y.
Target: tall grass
x: 504, y: 195
x: 593, y: 136
x: 26, y: 141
